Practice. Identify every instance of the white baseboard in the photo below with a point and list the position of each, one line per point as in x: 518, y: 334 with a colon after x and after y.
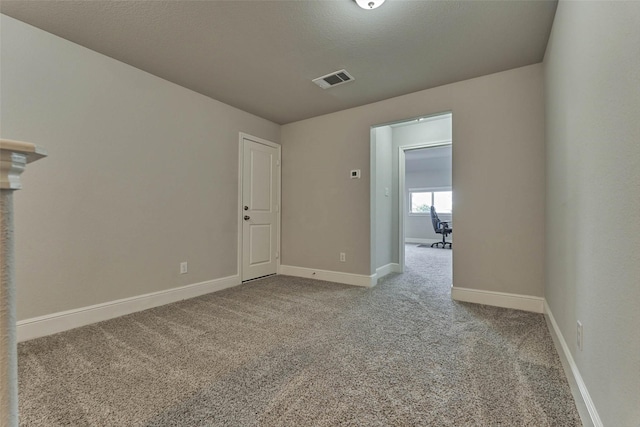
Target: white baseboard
x: 70, y: 319
x: 330, y: 276
x: 392, y: 267
x: 499, y: 299
x: 586, y: 408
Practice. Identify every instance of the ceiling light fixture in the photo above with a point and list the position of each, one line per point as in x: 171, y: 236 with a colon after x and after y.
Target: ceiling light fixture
x: 369, y: 4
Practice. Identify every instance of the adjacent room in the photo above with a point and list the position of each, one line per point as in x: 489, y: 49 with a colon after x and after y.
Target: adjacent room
x: 428, y: 210
x: 412, y: 164
x: 222, y: 213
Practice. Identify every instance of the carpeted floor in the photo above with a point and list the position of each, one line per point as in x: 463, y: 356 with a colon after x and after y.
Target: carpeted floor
x: 286, y: 351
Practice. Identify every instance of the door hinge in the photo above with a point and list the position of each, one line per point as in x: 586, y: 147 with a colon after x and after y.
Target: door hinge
x: 277, y: 162
x: 277, y: 255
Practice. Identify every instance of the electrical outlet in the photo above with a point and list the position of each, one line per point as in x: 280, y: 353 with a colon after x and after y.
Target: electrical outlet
x: 579, y: 336
x: 183, y: 267
x: 343, y: 257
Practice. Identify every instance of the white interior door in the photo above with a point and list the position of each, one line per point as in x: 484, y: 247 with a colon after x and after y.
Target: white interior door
x: 260, y: 206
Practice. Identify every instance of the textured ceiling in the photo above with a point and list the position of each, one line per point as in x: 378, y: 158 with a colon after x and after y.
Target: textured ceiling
x: 260, y: 56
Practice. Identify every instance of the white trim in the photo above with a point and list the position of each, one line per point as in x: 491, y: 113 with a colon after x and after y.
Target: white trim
x: 402, y: 200
x: 402, y: 190
x: 242, y: 136
x: 392, y: 267
x: 429, y: 189
x: 330, y: 276
x: 416, y: 119
x: 70, y: 319
x: 240, y: 213
x: 426, y: 144
x: 581, y: 395
x: 499, y: 299
x: 373, y: 203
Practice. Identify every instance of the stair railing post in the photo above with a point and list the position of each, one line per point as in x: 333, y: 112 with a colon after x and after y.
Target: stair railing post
x: 14, y: 156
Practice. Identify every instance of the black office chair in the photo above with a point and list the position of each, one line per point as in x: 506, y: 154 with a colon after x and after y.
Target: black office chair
x: 440, y: 228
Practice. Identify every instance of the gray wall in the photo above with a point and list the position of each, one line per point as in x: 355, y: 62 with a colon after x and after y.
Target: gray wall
x: 592, y: 88
x: 498, y: 177
x: 142, y: 174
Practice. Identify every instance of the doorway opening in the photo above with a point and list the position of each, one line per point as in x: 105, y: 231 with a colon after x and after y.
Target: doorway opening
x: 427, y: 211
x: 412, y: 165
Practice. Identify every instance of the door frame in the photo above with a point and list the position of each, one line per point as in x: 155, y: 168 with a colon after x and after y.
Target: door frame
x: 241, y: 137
x: 402, y: 190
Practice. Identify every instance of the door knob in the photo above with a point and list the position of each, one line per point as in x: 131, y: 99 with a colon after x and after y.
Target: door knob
x: 246, y: 208
x: 247, y: 217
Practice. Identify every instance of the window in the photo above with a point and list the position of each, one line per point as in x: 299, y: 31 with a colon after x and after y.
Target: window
x: 421, y: 200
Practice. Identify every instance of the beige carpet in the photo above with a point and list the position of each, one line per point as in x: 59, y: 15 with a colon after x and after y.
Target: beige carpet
x: 285, y: 351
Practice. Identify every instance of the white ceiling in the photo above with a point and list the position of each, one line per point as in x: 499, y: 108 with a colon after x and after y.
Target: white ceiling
x: 260, y: 56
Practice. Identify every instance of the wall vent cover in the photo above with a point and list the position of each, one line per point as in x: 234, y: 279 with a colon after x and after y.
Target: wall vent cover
x: 333, y: 79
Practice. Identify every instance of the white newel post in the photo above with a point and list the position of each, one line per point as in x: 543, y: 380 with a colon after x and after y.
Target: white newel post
x: 14, y: 156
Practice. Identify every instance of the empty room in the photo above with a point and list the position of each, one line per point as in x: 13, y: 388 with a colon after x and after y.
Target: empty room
x: 242, y: 213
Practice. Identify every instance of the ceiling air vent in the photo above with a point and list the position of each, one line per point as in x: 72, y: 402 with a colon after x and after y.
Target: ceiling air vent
x: 333, y: 79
